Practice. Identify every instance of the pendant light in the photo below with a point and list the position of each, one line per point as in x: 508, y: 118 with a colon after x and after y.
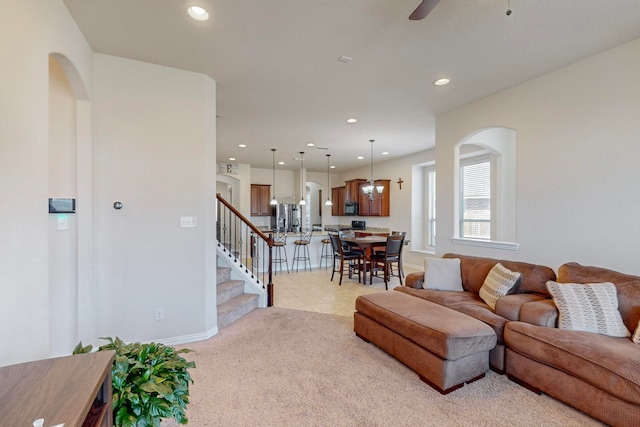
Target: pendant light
x: 328, y: 202
x: 372, y: 191
x: 302, y: 201
x: 274, y: 201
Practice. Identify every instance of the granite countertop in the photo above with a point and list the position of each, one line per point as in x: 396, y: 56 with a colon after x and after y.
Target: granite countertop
x: 338, y: 227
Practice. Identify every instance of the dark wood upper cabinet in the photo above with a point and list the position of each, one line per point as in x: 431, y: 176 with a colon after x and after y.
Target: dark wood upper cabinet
x: 380, y: 205
x: 352, y: 190
x: 260, y: 199
x: 338, y: 199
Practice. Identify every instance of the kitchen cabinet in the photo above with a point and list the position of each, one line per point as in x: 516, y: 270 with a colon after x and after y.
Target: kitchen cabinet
x: 338, y: 199
x: 260, y: 199
x: 380, y: 205
x: 352, y: 190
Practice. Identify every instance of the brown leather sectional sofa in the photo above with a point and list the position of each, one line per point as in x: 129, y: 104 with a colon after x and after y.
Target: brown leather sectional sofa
x: 597, y: 374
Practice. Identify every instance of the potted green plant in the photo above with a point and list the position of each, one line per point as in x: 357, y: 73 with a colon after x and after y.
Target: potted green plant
x: 150, y: 382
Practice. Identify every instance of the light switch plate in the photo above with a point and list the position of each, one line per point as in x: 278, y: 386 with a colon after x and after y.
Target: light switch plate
x: 62, y: 223
x: 188, y: 221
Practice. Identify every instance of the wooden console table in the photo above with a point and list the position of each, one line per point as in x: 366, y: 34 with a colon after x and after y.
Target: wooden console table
x: 74, y: 390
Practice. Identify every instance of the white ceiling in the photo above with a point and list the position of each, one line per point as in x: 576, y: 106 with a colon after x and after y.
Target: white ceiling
x: 280, y: 84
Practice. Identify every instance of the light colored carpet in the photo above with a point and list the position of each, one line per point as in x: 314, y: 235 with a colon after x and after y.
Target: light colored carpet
x: 282, y: 367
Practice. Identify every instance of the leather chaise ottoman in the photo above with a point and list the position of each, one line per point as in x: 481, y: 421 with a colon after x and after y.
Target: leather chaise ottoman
x: 444, y: 347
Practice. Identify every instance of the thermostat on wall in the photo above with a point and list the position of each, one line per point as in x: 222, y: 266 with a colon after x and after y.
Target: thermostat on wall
x: 62, y: 205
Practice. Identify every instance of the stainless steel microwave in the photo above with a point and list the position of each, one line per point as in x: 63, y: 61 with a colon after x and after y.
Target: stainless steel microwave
x: 351, y: 208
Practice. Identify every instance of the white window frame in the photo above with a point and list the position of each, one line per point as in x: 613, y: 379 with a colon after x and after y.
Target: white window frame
x: 500, y: 144
x: 477, y: 158
x: 423, y: 211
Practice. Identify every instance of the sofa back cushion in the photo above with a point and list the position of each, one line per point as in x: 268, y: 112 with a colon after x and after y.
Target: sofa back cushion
x: 628, y: 287
x: 475, y: 269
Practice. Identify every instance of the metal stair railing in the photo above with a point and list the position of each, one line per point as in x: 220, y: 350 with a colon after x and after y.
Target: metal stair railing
x: 247, y: 246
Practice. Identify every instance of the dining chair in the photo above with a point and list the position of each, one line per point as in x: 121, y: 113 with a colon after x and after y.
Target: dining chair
x: 341, y: 256
x: 302, y: 244
x: 392, y: 254
x: 380, y: 251
x: 344, y: 234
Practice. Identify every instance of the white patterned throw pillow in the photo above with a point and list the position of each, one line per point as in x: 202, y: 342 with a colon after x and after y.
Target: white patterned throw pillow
x: 498, y: 283
x: 442, y: 274
x: 591, y: 307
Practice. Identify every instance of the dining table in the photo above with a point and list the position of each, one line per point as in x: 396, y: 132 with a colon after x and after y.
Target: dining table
x: 367, y: 243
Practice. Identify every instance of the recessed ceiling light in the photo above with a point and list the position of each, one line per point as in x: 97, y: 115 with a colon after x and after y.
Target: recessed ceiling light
x: 441, y: 82
x: 345, y: 59
x: 242, y: 145
x: 198, y: 13
x: 233, y: 159
x: 333, y: 167
x: 310, y: 144
x: 360, y: 157
x: 385, y: 153
x: 351, y: 121
x: 281, y: 163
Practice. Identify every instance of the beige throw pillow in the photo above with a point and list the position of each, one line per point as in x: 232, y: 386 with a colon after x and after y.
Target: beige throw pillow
x: 636, y: 334
x: 442, y: 274
x: 498, y: 283
x: 591, y: 307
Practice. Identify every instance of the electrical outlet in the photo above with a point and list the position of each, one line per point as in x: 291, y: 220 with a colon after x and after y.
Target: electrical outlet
x: 159, y: 313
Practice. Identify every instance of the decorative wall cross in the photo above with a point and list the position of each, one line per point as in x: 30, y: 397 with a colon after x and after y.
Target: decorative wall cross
x: 400, y: 181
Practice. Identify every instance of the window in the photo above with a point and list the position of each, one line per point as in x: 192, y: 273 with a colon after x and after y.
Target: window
x: 431, y: 208
x: 475, y: 197
x: 485, y: 189
x: 423, y: 207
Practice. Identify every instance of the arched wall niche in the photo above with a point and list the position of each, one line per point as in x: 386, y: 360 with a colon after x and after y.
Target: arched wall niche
x: 229, y: 188
x: 499, y: 144
x: 77, y: 84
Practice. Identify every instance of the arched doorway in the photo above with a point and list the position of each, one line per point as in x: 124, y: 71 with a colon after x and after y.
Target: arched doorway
x: 71, y: 290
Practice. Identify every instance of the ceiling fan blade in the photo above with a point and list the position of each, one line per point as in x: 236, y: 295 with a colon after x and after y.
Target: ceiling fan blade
x: 423, y: 9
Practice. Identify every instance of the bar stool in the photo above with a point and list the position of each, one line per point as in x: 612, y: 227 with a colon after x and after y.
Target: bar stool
x: 302, y: 242
x: 326, y: 253
x: 279, y: 245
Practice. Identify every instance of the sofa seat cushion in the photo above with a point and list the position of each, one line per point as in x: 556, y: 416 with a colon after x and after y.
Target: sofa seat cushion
x: 510, y: 306
x: 542, y: 313
x: 446, y: 333
x: 468, y: 303
x: 608, y: 363
x: 434, y: 295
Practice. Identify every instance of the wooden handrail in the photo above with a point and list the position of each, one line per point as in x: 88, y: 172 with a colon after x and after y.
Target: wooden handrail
x: 244, y: 219
x: 254, y: 234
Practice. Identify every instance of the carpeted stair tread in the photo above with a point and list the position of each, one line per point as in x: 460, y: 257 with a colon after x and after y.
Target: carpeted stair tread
x: 235, y: 308
x: 228, y: 290
x: 223, y: 274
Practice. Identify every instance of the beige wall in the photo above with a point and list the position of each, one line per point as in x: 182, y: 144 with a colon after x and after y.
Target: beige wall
x: 146, y: 135
x: 154, y: 141
x: 31, y: 30
x: 577, y: 162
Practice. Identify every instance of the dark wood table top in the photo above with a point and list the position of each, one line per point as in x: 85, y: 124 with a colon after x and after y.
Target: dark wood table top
x: 60, y: 390
x: 366, y: 242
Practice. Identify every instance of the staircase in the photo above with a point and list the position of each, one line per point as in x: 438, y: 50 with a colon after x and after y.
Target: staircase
x: 233, y: 302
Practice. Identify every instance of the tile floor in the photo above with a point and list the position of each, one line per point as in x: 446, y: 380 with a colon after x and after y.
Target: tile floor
x: 314, y: 291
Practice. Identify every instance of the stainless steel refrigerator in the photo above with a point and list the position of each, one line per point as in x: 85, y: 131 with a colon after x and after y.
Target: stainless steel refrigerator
x: 285, y: 218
